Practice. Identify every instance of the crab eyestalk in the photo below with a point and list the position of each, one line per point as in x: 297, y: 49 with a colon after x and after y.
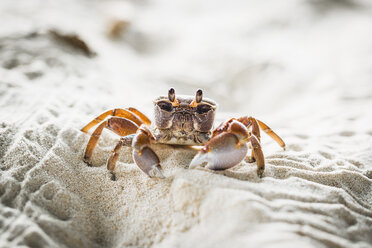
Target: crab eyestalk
x: 198, y: 98
x: 171, y: 95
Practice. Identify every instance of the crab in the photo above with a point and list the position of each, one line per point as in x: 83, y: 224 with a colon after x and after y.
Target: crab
x: 181, y: 120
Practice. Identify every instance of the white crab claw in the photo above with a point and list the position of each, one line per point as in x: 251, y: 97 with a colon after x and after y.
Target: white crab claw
x: 198, y: 160
x: 221, y: 152
x: 148, y: 162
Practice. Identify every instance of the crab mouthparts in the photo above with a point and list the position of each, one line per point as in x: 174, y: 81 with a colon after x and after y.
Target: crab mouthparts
x: 183, y: 123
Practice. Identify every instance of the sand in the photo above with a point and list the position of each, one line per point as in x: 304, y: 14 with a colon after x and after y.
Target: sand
x: 303, y: 67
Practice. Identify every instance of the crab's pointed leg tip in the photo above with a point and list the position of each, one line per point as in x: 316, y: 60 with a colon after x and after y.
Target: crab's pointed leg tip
x: 87, y: 161
x: 260, y: 173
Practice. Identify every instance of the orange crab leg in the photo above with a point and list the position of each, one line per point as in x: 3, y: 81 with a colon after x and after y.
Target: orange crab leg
x: 258, y: 155
x: 250, y: 121
x: 143, y: 117
x: 111, y: 161
x: 92, y: 143
x: 256, y: 129
x: 256, y: 132
x: 118, y: 125
x: 128, y: 114
x: 271, y: 133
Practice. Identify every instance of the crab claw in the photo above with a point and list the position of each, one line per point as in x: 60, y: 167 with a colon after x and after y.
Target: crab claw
x: 221, y: 152
x: 143, y: 155
x: 148, y: 162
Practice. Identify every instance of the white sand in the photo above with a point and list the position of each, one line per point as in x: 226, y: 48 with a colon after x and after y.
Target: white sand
x: 304, y: 67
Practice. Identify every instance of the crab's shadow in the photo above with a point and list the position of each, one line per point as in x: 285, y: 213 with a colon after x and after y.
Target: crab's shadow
x: 242, y: 172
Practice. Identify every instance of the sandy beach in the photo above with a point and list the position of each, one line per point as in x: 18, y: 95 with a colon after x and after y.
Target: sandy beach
x: 302, y: 67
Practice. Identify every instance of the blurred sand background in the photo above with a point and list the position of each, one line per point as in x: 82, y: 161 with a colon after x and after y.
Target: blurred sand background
x: 304, y: 67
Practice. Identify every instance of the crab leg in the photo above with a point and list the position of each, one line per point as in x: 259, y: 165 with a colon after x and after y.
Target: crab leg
x: 271, y: 133
x: 143, y: 155
x: 258, y: 155
x: 131, y: 114
x: 250, y: 121
x: 118, y: 125
x: 111, y: 161
x: 141, y: 115
x: 92, y: 143
x: 256, y: 132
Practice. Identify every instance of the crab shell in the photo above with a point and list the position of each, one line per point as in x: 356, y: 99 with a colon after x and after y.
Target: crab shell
x: 183, y: 121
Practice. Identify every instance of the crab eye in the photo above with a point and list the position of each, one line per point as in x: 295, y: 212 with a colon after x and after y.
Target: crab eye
x: 203, y: 108
x: 166, y: 106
